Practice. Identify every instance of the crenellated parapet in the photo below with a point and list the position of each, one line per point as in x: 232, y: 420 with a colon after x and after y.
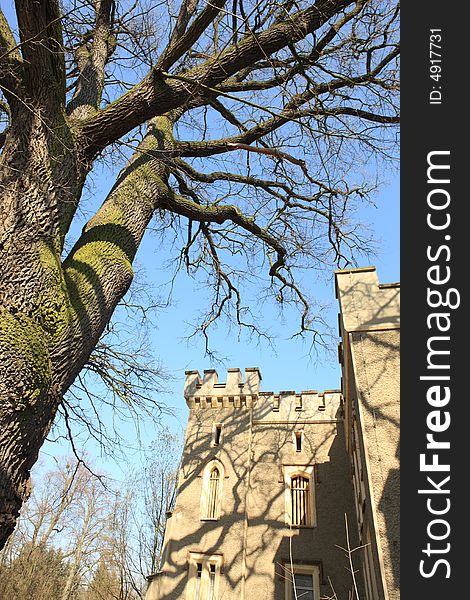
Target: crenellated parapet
x: 206, y: 391
x: 238, y: 391
x: 366, y: 304
x: 310, y: 405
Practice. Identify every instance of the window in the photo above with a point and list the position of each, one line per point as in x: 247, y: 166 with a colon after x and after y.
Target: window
x: 197, y: 594
x: 217, y: 435
x: 214, y: 485
x: 300, y: 499
x: 298, y: 441
x: 302, y: 582
x: 211, y: 496
x: 211, y: 594
x: 203, y: 576
x: 276, y: 403
x: 299, y: 496
x: 303, y: 586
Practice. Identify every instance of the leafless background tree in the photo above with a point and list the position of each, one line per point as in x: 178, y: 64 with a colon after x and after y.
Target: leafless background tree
x: 86, y: 537
x: 140, y: 513
x: 245, y: 132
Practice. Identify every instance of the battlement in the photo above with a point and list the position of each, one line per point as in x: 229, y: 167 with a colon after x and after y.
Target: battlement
x: 293, y: 406
x: 207, y: 392
x: 209, y: 384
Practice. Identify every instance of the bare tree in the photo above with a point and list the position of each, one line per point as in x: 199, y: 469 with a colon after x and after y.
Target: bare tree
x: 255, y: 115
x: 66, y: 523
x: 140, y: 513
x: 106, y: 584
x: 101, y: 538
x: 84, y: 528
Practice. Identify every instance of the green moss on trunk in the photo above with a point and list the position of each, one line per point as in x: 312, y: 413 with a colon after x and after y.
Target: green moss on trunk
x: 26, y: 365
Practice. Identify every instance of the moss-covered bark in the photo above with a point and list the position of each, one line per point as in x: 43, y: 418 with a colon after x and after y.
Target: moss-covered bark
x: 25, y: 385
x: 38, y: 174
x: 54, y: 312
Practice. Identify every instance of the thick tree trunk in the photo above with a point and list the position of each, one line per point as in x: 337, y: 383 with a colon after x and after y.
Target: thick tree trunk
x: 51, y: 313
x: 38, y: 178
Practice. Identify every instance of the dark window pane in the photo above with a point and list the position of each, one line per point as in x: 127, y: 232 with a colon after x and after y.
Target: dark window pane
x: 304, y: 581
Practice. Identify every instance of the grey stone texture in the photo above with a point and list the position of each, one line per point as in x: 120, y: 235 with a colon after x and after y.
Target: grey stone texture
x: 253, y: 533
x: 370, y: 358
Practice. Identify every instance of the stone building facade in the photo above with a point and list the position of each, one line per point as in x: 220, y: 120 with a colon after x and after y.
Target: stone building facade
x: 271, y: 485
x: 369, y: 323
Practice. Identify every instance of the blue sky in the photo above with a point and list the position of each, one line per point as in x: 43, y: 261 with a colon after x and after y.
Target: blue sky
x: 289, y: 365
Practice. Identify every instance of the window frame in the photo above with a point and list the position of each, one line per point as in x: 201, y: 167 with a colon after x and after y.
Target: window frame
x: 298, y: 439
x: 297, y: 569
x: 213, y: 508
x: 198, y: 581
x: 308, y: 472
x: 206, y: 560
x: 300, y: 492
x: 206, y: 491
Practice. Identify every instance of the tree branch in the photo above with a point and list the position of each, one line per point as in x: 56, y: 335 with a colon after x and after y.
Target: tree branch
x: 182, y: 44
x: 221, y: 213
x: 42, y: 50
x: 154, y: 95
x: 187, y: 9
x: 267, y: 185
x: 98, y: 270
x: 291, y: 112
x: 91, y: 63
x: 11, y: 63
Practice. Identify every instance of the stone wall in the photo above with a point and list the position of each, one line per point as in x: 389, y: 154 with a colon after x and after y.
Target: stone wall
x: 370, y: 358
x: 257, y: 444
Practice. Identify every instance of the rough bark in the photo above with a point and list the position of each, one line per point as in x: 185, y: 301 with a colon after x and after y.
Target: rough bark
x: 52, y: 320
x: 39, y: 173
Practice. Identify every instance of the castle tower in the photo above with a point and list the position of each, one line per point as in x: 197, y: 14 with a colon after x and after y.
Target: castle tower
x: 264, y: 487
x: 370, y: 358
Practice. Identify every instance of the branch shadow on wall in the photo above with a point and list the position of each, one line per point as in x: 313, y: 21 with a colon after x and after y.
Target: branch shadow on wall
x: 269, y: 535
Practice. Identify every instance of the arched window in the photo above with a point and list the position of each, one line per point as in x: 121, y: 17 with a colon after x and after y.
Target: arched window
x: 214, y: 491
x: 299, y: 495
x: 300, y: 500
x: 211, y: 498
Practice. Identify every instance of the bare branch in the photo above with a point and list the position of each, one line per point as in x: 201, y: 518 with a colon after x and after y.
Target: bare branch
x: 11, y: 63
x: 91, y: 60
x: 155, y: 96
x: 292, y: 112
x: 183, y: 42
